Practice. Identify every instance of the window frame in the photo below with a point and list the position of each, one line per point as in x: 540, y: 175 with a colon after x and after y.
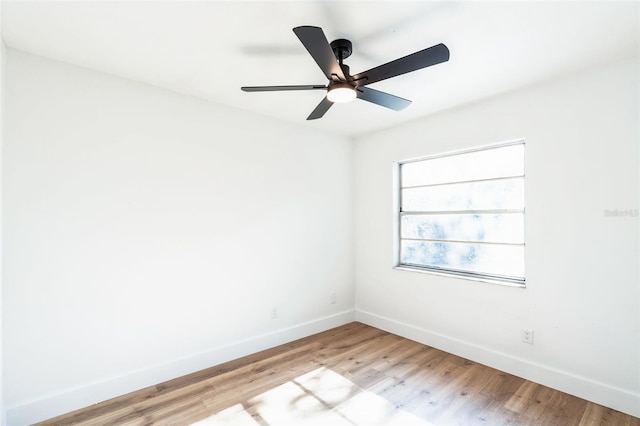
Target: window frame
x: 433, y: 270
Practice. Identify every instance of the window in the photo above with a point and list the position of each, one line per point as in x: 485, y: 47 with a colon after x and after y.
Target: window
x: 462, y: 214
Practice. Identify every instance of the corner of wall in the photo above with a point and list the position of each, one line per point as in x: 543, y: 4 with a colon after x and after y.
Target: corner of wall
x: 2, y: 85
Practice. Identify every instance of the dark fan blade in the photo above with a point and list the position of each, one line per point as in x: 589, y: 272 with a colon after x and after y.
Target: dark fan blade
x: 322, y: 107
x: 278, y: 88
x: 314, y: 40
x: 422, y: 59
x: 381, y: 98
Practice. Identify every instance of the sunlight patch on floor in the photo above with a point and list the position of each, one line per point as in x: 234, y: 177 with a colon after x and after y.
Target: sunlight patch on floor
x: 327, y: 385
x: 367, y: 408
x: 289, y: 404
x: 321, y: 397
x: 232, y: 416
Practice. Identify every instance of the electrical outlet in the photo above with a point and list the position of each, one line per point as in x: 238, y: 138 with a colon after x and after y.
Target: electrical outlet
x: 527, y: 336
x: 333, y: 298
x: 274, y: 313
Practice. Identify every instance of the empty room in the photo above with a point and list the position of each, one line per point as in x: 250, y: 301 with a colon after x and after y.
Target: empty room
x: 270, y: 213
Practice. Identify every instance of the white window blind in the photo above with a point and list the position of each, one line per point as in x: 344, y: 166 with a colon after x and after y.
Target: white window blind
x: 463, y: 214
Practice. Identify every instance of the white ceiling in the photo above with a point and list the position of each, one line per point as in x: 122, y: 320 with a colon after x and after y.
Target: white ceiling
x: 210, y: 49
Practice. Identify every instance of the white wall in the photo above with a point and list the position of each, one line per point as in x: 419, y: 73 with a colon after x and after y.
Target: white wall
x: 582, y: 297
x: 149, y: 234
x: 2, y: 75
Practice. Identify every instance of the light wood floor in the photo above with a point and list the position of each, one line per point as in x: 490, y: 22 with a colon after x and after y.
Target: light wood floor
x: 351, y: 375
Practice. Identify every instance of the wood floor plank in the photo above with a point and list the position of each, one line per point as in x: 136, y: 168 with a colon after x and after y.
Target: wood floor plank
x: 351, y: 375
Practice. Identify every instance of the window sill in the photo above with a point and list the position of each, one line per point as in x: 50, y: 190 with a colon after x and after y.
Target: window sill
x: 461, y: 276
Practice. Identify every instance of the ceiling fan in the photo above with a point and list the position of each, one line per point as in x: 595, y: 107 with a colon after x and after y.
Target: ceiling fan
x: 344, y: 87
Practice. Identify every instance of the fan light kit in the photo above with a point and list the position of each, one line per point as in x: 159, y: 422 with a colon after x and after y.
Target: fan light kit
x: 344, y: 87
x: 341, y: 92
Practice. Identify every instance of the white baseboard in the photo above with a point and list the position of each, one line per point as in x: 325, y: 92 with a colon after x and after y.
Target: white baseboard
x: 582, y: 387
x: 92, y: 393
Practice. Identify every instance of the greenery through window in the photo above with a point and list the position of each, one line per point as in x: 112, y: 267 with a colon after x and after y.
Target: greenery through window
x: 463, y: 213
